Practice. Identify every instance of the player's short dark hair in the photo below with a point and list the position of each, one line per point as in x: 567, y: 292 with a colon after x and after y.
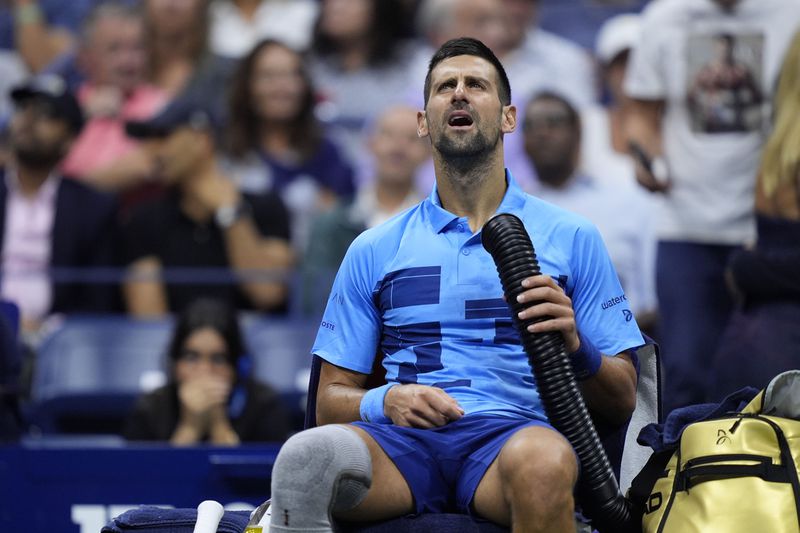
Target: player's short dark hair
x: 467, y: 46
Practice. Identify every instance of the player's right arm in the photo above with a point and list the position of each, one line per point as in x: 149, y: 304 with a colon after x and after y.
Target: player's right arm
x: 340, y: 393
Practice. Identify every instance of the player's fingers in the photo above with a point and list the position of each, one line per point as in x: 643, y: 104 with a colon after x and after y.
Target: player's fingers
x: 544, y: 294
x: 548, y: 309
x: 563, y: 325
x: 541, y: 280
x: 446, y: 405
x: 433, y: 417
x: 416, y: 421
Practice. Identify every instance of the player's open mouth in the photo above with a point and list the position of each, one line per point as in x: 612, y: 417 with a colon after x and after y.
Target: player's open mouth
x: 460, y: 119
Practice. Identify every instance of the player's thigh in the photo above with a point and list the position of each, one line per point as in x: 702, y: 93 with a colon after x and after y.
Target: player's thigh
x: 389, y: 496
x: 533, y: 461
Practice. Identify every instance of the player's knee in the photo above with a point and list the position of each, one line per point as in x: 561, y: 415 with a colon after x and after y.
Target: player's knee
x: 319, y: 471
x: 535, y: 459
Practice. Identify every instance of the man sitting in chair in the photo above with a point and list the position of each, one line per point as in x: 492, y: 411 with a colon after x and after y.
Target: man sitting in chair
x: 459, y: 426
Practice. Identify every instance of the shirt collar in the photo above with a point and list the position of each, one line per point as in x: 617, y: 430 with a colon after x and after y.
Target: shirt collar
x: 440, y: 218
x: 47, y: 191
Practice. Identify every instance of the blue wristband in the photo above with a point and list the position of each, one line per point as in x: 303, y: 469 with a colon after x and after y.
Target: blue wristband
x: 587, y: 360
x: 371, y: 408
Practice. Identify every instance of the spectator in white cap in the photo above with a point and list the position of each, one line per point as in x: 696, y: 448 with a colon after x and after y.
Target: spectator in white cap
x: 604, y: 147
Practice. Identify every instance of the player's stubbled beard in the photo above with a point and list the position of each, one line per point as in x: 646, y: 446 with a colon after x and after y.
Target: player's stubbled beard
x: 466, y: 150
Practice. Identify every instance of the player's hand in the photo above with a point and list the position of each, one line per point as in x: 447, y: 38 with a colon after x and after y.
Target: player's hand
x: 544, y: 298
x: 421, y: 406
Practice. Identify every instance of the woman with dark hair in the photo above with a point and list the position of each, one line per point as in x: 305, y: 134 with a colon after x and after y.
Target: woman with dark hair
x: 274, y: 141
x: 360, y: 63
x: 209, y: 396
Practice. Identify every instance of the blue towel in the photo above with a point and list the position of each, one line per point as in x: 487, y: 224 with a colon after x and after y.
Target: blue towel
x: 668, y: 434
x: 158, y: 520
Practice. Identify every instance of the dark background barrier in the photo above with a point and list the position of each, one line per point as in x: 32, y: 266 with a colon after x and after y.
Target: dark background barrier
x: 75, y: 486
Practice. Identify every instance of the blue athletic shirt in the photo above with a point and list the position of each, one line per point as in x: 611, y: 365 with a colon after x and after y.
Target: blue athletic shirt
x: 421, y: 291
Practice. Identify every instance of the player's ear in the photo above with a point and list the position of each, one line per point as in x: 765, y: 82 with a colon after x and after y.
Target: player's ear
x: 509, y: 118
x: 422, y: 124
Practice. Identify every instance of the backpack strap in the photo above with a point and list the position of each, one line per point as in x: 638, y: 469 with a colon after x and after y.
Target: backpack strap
x: 642, y: 484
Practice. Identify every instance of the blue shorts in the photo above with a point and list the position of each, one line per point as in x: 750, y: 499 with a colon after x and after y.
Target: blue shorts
x: 443, y: 466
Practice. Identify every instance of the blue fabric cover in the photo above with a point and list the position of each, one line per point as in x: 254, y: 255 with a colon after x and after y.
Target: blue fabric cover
x: 668, y: 434
x: 158, y: 520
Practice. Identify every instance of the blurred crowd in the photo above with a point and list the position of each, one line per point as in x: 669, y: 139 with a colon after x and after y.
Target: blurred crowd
x: 157, y: 151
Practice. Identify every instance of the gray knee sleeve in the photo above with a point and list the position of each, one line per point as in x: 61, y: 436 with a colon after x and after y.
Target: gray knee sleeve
x: 318, y: 471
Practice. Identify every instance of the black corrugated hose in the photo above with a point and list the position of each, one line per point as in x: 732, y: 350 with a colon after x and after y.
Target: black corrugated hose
x: 509, y: 244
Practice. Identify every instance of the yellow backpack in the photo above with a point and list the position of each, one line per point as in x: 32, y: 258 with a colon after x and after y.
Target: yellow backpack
x: 736, y: 473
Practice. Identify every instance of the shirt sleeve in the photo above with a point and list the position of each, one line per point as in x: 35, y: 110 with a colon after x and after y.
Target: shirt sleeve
x: 350, y: 330
x: 602, y: 311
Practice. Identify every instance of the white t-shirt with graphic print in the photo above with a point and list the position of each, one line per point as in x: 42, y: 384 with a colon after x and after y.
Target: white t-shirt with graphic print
x: 716, y: 71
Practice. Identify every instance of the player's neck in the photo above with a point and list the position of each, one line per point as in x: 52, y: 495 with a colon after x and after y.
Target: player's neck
x: 472, y: 190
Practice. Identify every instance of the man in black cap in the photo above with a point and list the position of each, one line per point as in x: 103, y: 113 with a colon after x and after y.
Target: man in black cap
x: 203, y: 222
x: 48, y: 223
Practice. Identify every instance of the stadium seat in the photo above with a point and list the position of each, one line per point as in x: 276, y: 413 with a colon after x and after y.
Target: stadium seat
x: 91, y: 369
x: 281, y: 351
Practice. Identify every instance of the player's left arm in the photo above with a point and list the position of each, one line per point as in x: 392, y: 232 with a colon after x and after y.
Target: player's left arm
x: 611, y: 390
